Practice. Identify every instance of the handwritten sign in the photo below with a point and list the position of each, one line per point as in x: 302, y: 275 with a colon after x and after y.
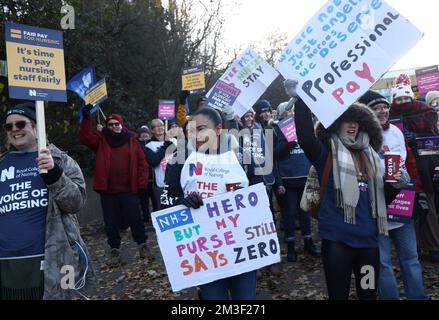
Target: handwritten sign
x: 193, y: 79
x: 401, y: 209
x: 427, y: 79
x: 242, y: 84
x: 166, y: 109
x: 288, y: 128
x: 96, y: 94
x: 342, y: 51
x: 230, y: 234
x: 35, y: 63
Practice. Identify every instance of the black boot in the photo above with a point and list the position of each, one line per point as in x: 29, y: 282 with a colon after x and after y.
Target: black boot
x: 291, y: 254
x: 310, y: 248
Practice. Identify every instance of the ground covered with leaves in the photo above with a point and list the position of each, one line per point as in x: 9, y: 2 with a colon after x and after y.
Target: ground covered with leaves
x: 141, y: 280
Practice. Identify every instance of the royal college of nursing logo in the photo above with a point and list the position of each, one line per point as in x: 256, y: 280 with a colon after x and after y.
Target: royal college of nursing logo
x: 196, y: 168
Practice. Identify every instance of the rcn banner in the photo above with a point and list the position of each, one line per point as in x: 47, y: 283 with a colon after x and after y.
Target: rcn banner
x: 343, y: 50
x: 35, y: 63
x: 230, y: 234
x: 242, y: 84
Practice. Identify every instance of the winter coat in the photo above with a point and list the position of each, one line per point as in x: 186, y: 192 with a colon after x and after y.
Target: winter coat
x: 97, y: 142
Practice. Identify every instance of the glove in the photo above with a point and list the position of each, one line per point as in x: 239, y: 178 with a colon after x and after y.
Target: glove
x: 86, y: 111
x: 166, y: 144
x: 183, y: 96
x: 290, y: 86
x: 421, y: 198
x: 193, y: 201
x: 421, y: 209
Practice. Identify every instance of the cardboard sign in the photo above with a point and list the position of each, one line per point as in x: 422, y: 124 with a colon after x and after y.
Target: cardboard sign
x: 342, y: 51
x: 230, y: 234
x: 288, y: 128
x: 166, y: 109
x: 35, y: 63
x: 427, y: 79
x: 193, y: 79
x: 401, y: 209
x: 243, y: 83
x: 96, y: 94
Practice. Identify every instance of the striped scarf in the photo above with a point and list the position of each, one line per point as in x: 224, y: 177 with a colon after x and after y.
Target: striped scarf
x: 346, y: 182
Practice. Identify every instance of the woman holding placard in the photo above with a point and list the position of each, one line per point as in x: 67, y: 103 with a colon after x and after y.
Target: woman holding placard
x: 207, y: 148
x: 353, y: 204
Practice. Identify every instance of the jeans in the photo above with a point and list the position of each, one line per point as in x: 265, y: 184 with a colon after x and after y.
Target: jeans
x: 144, y: 202
x: 240, y: 287
x: 290, y: 207
x: 404, y: 239
x: 122, y: 208
x: 339, y: 260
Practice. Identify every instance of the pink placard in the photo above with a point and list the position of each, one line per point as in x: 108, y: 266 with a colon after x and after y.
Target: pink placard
x: 401, y: 209
x: 428, y: 82
x: 166, y: 109
x: 288, y: 128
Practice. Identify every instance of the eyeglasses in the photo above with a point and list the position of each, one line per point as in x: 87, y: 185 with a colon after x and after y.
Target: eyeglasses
x: 380, y: 108
x: 18, y: 124
x: 160, y: 126
x: 113, y: 124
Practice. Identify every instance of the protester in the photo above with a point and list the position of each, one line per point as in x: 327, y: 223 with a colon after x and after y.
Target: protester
x: 263, y: 112
x: 121, y: 173
x: 145, y: 196
x: 293, y: 167
x: 211, y: 148
x: 403, y: 235
x: 353, y: 206
x: 40, y: 235
x: 158, y: 153
x: 252, y: 141
x: 419, y: 120
x: 432, y: 99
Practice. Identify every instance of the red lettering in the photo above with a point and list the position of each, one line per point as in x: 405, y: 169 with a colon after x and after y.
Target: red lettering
x: 199, y: 264
x: 365, y: 73
x: 185, y: 264
x: 337, y: 95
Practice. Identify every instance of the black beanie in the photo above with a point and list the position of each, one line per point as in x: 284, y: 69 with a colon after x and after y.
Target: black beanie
x: 25, y: 109
x: 372, y: 98
x: 262, y: 106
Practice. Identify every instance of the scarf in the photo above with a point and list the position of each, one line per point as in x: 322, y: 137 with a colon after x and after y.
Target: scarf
x: 346, y: 182
x: 116, y: 140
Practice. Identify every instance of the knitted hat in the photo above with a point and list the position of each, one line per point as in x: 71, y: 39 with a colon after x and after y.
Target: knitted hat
x: 262, y: 106
x: 432, y: 95
x: 116, y: 117
x: 402, y: 87
x: 372, y: 98
x: 25, y: 109
x: 281, y: 109
x: 144, y: 129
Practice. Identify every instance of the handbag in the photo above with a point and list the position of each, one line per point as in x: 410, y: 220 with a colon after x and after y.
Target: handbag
x: 313, y: 191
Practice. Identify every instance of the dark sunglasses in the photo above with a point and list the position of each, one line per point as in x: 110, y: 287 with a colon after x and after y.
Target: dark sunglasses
x: 18, y: 124
x: 113, y: 124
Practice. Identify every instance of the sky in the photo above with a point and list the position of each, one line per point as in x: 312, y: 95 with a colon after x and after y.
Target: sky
x: 252, y: 21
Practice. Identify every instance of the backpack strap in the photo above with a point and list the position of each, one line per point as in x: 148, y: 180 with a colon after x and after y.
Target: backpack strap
x: 328, y: 166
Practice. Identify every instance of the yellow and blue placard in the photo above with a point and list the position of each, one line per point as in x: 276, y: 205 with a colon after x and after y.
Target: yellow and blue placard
x: 35, y: 63
x: 96, y: 94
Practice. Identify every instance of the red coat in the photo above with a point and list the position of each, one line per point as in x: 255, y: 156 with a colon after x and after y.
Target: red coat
x: 96, y: 142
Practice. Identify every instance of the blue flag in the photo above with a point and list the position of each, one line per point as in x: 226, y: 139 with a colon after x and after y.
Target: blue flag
x: 80, y: 83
